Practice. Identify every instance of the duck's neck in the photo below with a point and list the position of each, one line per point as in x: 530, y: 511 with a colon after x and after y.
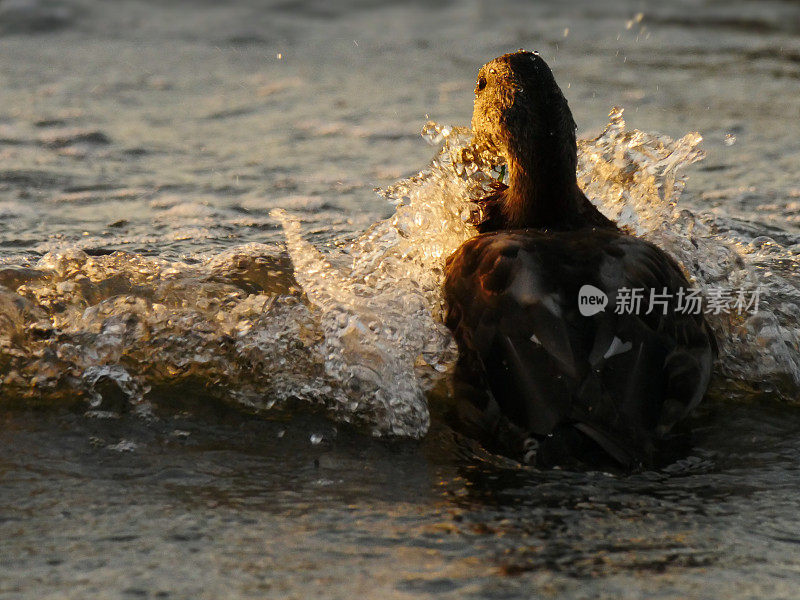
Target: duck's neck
x: 542, y: 191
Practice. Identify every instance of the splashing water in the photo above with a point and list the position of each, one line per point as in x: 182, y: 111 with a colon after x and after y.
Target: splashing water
x: 357, y: 332
x: 384, y: 294
x: 636, y: 179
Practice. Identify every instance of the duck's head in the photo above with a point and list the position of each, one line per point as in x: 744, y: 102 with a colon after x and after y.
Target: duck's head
x: 520, y: 110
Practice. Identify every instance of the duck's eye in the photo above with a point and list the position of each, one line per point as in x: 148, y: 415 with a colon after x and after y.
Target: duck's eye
x: 481, y: 83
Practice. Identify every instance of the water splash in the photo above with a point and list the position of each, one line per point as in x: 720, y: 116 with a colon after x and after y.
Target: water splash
x: 373, y: 334
x: 391, y: 277
x: 637, y: 178
x: 357, y: 331
x: 214, y: 328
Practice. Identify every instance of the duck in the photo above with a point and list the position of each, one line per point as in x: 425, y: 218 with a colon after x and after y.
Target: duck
x: 533, y: 300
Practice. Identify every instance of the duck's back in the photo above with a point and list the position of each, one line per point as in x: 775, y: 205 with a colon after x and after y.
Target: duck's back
x: 621, y: 379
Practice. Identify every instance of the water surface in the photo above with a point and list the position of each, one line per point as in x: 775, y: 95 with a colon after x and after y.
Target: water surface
x: 191, y: 406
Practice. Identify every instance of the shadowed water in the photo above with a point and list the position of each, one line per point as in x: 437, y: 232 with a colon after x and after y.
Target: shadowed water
x: 200, y: 505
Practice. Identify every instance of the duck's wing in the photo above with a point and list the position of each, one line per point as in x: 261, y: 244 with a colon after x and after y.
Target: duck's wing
x: 619, y: 378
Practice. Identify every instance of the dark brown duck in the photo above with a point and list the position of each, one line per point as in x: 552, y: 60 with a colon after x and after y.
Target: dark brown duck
x: 578, y: 388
